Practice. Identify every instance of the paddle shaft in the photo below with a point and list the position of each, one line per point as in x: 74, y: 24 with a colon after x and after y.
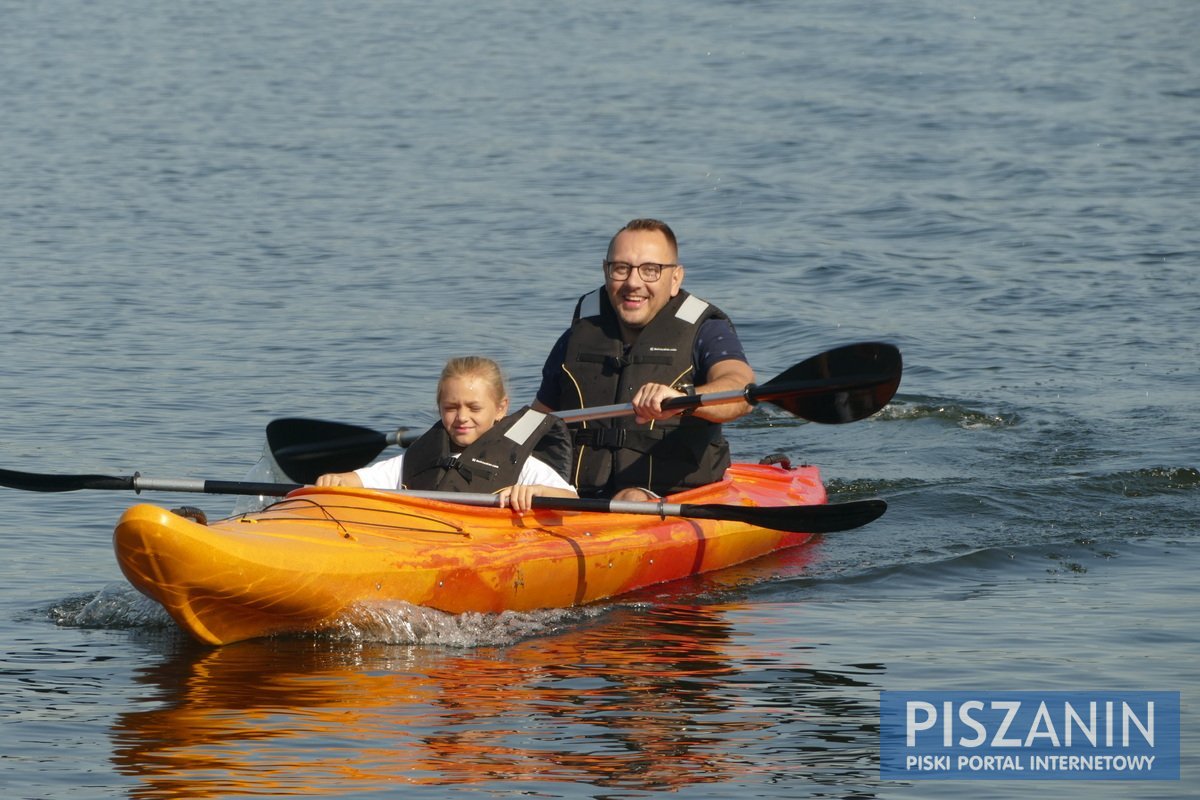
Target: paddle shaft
x: 796, y: 519
x: 37, y: 482
x: 404, y: 437
x: 752, y: 394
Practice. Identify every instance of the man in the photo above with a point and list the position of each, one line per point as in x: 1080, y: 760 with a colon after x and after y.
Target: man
x: 641, y: 339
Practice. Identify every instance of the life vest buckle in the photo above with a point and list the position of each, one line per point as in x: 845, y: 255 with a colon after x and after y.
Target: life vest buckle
x: 611, y: 438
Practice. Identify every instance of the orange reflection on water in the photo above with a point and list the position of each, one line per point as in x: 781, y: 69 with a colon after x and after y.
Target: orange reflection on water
x: 636, y: 698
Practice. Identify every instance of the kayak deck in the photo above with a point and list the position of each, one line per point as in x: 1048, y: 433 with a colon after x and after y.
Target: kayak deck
x: 297, y: 565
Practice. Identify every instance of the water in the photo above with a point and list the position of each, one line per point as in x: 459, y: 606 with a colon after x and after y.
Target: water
x: 220, y: 214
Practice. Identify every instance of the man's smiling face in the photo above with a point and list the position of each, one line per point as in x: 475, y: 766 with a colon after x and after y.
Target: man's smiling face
x: 636, y: 300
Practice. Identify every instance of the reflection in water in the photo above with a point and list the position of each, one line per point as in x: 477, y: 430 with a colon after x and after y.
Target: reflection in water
x: 655, y: 697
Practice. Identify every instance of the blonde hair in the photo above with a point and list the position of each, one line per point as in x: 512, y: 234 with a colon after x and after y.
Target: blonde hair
x: 485, y: 368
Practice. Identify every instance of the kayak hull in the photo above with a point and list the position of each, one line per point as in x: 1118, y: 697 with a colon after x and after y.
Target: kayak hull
x: 301, y: 563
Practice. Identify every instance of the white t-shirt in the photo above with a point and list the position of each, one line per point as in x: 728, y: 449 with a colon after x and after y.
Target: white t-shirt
x: 387, y: 474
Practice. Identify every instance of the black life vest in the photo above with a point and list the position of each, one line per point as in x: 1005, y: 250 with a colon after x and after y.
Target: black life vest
x: 665, y: 456
x: 491, y: 462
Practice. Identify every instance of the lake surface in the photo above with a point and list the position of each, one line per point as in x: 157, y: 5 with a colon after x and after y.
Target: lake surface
x: 219, y: 214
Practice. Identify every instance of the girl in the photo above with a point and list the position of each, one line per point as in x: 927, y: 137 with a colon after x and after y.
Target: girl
x: 475, y: 447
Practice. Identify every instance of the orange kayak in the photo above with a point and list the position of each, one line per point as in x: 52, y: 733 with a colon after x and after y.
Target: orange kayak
x: 311, y: 557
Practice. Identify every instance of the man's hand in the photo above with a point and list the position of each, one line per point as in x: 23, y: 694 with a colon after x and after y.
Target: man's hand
x: 647, y: 402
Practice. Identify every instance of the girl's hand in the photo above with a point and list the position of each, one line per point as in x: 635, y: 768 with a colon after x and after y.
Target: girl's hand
x: 339, y: 479
x: 520, y: 498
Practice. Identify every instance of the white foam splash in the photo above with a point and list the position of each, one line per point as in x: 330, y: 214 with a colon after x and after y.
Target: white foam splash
x: 403, y: 623
x: 116, y: 606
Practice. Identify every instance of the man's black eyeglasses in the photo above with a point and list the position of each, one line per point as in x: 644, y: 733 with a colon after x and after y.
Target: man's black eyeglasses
x: 621, y: 270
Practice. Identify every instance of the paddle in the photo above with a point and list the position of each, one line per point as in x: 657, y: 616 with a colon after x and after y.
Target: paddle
x: 795, y: 519
x: 308, y: 448
x: 841, y: 385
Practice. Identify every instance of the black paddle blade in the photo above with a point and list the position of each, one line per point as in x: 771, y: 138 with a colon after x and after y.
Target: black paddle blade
x: 841, y: 385
x: 795, y: 519
x: 306, y: 449
x: 35, y: 482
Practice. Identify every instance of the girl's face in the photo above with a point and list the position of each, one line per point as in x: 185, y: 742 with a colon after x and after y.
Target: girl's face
x: 469, y: 408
